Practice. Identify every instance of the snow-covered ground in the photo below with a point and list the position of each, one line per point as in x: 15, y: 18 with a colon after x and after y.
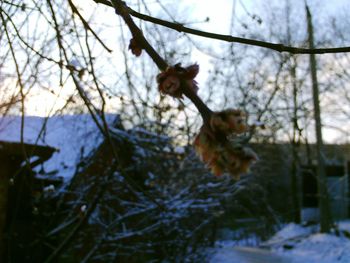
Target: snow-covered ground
x: 293, y: 243
x: 74, y: 136
x: 305, y: 244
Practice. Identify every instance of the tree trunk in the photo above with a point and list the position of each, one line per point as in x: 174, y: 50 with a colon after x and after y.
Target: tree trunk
x: 325, y: 213
x: 295, y: 145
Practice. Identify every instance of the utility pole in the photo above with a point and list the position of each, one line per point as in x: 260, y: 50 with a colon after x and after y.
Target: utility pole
x: 325, y: 213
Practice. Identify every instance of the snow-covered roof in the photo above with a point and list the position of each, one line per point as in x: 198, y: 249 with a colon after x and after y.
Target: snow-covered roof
x: 75, y: 136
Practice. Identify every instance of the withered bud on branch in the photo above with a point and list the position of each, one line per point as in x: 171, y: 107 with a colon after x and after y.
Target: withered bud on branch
x: 170, y: 80
x: 220, y: 154
x: 135, y: 48
x: 229, y: 121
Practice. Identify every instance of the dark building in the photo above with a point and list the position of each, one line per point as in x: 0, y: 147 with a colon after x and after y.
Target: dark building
x: 17, y: 187
x: 276, y: 165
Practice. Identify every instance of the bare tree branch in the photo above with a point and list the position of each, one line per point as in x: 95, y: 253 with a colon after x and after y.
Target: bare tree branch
x: 228, y: 38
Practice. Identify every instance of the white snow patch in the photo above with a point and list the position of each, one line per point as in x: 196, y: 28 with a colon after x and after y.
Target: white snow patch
x: 49, y: 188
x: 309, y: 246
x: 344, y: 225
x: 293, y: 243
x: 322, y: 248
x: 179, y: 150
x: 83, y: 208
x: 291, y: 231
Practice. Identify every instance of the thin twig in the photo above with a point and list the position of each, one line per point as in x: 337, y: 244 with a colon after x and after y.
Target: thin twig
x: 86, y: 25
